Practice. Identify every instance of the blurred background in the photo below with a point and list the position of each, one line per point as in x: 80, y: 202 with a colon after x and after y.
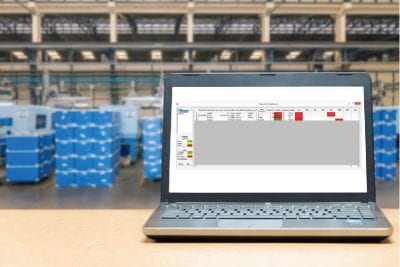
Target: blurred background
x: 75, y: 74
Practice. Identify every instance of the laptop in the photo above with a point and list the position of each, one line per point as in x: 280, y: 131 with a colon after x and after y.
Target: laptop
x: 268, y: 155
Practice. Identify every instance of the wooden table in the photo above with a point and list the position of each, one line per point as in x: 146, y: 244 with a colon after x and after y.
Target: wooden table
x: 114, y: 238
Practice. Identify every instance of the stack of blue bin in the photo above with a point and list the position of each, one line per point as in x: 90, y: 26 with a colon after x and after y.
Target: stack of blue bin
x: 152, y: 146
x: 130, y: 133
x: 87, y: 148
x: 30, y: 157
x: 385, y: 143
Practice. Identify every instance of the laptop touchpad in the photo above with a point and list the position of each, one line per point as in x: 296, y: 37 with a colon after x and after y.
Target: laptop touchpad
x: 245, y: 223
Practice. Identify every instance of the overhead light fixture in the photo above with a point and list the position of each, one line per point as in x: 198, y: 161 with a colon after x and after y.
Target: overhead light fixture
x: 185, y: 55
x: 328, y: 54
x: 293, y: 55
x: 121, y: 55
x: 88, y: 55
x: 225, y: 55
x: 19, y: 55
x: 256, y: 55
x: 156, y: 55
x: 54, y: 55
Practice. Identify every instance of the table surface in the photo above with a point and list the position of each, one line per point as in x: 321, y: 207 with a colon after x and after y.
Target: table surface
x: 114, y: 238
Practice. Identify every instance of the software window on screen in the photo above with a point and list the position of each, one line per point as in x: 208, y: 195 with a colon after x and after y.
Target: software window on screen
x: 267, y: 139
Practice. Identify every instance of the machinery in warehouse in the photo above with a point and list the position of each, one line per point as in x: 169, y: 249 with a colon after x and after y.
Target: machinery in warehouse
x: 378, y: 93
x: 56, y: 96
x: 154, y: 101
x: 26, y: 118
x: 7, y: 92
x: 52, y: 95
x: 383, y: 91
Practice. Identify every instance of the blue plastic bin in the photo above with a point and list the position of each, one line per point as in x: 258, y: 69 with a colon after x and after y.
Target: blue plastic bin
x: 103, y: 118
x: 16, y: 174
x: 83, y: 133
x: 83, y: 148
x: 388, y: 157
x: 377, y: 143
x: 65, y: 179
x: 64, y: 148
x: 83, y: 163
x: 389, y: 172
x: 377, y: 129
x: 104, y: 132
x: 388, y: 128
x: 103, y: 148
x: 64, y: 163
x: 152, y: 139
x: 151, y: 124
x: 65, y: 133
x: 84, y: 118
x: 389, y: 143
x: 104, y: 163
x: 84, y: 178
x: 152, y: 170
x: 16, y: 143
x: 376, y: 116
x: 103, y: 178
x: 152, y: 154
x: 64, y: 117
x: 25, y: 158
x: 388, y: 115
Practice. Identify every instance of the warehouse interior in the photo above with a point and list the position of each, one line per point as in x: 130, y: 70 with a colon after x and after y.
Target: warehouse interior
x: 110, y: 57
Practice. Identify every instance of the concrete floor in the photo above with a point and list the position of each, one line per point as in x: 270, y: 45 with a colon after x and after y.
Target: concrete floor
x: 125, y: 194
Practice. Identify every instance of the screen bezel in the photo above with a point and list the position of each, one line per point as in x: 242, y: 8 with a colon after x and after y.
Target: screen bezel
x: 267, y: 79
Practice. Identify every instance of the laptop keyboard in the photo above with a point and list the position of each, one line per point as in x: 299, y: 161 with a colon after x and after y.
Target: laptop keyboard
x: 288, y: 212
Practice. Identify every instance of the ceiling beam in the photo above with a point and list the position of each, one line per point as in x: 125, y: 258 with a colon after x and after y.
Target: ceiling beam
x: 203, y: 8
x: 202, y: 45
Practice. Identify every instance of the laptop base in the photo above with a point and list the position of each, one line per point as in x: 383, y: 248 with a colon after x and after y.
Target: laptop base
x: 268, y: 229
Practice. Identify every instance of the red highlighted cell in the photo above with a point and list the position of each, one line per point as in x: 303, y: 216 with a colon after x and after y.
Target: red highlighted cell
x: 278, y: 115
x: 298, y: 116
x: 338, y: 119
x: 331, y: 114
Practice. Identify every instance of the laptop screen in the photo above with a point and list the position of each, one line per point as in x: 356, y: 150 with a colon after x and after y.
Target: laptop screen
x: 267, y: 140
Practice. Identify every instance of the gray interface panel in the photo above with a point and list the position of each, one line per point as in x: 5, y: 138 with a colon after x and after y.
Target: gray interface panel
x: 272, y: 143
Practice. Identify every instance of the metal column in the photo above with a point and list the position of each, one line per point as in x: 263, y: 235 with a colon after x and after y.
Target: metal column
x: 114, y: 90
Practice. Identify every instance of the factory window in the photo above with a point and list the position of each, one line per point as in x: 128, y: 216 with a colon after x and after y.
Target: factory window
x: 40, y: 121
